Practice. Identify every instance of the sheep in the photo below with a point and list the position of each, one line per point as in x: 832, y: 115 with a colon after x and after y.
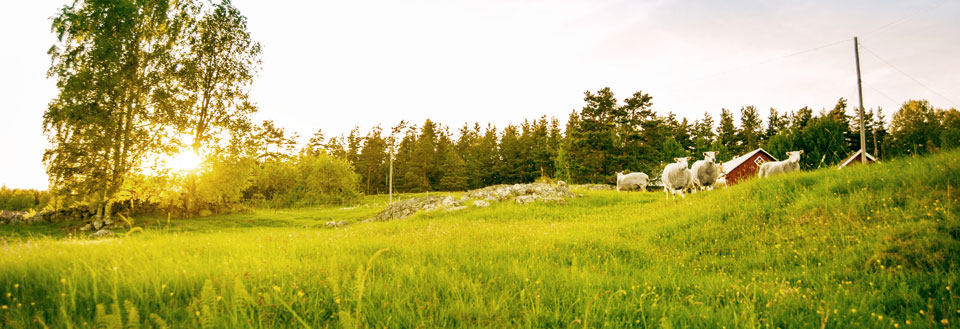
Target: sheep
x: 632, y: 180
x: 705, y: 172
x: 675, y: 177
x: 722, y: 180
x: 792, y: 163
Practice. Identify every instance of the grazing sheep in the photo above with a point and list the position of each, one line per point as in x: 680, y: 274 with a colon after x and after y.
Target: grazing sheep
x: 792, y: 163
x: 722, y: 180
x: 675, y: 177
x: 705, y: 172
x: 632, y: 180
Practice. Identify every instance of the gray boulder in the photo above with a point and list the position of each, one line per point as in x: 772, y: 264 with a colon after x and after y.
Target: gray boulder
x: 104, y: 233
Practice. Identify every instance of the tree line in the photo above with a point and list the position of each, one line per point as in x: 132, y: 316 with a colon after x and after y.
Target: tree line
x: 607, y: 135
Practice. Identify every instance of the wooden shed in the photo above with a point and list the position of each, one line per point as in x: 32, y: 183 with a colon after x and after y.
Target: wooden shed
x: 746, y: 166
x: 855, y: 159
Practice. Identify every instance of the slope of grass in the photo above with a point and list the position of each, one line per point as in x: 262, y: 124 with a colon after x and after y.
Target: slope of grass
x: 872, y: 246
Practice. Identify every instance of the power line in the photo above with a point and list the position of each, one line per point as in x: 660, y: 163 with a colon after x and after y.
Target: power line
x: 909, y: 76
x: 762, y: 62
x: 880, y: 92
x: 905, y: 18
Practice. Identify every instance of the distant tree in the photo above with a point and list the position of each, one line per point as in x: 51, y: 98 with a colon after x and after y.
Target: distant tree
x: 823, y: 142
x: 274, y: 142
x: 454, y: 172
x: 915, y: 129
x: 592, y: 142
x: 511, y: 156
x: 316, y: 143
x: 426, y: 154
x: 727, y: 133
x: 703, y: 135
x: 672, y: 149
x: 800, y: 118
x: 776, y: 123
x: 372, y: 162
x: 488, y: 156
x: 354, y: 143
x: 950, y: 133
x: 751, y: 129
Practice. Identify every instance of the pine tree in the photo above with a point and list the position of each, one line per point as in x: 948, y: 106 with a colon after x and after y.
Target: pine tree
x: 372, y: 162
x: 703, y: 135
x: 727, y: 133
x: 425, y: 154
x: 454, y: 172
x: 592, y: 151
x: 751, y: 129
x: 488, y: 157
x: 509, y: 166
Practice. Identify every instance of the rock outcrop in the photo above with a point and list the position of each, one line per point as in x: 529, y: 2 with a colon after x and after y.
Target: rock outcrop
x: 519, y: 193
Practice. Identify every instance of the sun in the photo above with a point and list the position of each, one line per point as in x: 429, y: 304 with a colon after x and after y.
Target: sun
x: 184, y: 161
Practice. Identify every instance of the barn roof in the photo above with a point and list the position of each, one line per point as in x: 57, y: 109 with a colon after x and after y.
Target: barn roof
x: 850, y: 158
x: 736, y: 162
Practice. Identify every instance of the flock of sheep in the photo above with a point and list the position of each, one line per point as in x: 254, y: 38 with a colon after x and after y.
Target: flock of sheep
x: 703, y: 175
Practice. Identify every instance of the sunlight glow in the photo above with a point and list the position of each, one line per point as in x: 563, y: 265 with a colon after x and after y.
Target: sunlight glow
x: 185, y: 161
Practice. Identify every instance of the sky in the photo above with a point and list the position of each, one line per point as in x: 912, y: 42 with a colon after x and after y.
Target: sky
x: 333, y: 65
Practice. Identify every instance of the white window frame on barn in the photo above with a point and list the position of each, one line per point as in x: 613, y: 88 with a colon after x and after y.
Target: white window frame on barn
x: 759, y: 161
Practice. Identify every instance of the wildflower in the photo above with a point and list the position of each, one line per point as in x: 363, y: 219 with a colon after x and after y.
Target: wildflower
x: 3, y: 307
x: 8, y: 295
x: 896, y: 325
x: 944, y: 322
x: 171, y: 294
x: 63, y: 295
x: 63, y: 280
x: 300, y: 293
x: 163, y: 286
x: 853, y: 310
x: 880, y: 317
x: 276, y: 288
x: 198, y: 313
x: 907, y: 322
x: 219, y: 298
x: 17, y: 285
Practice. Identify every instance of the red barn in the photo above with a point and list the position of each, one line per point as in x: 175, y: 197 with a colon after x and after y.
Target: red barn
x: 746, y: 166
x: 855, y: 159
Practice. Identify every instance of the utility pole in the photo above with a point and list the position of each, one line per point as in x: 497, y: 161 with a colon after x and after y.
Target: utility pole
x: 391, y: 174
x: 863, y: 136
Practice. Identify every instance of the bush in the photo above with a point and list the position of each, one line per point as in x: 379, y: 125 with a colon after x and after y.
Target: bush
x: 307, y: 180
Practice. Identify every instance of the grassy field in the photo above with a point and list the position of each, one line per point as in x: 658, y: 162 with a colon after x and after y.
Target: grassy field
x: 874, y: 246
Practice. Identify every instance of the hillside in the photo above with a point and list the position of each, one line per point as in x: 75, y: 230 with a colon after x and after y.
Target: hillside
x: 868, y: 246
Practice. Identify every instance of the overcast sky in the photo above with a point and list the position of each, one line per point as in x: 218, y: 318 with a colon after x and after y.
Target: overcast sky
x: 332, y: 65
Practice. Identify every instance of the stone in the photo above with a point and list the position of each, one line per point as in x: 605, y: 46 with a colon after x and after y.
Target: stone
x: 104, y: 233
x: 481, y: 203
x: 597, y: 187
x: 525, y: 199
x: 450, y: 202
x: 335, y: 224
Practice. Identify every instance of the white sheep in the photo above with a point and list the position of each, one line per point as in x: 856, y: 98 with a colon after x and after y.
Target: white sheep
x: 632, y: 180
x: 792, y: 163
x: 705, y: 172
x: 675, y: 177
x: 722, y: 180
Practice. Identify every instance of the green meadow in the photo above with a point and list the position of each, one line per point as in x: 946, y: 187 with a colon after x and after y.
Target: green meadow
x: 866, y: 246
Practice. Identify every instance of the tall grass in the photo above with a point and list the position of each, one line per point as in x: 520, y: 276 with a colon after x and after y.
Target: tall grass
x: 871, y: 246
